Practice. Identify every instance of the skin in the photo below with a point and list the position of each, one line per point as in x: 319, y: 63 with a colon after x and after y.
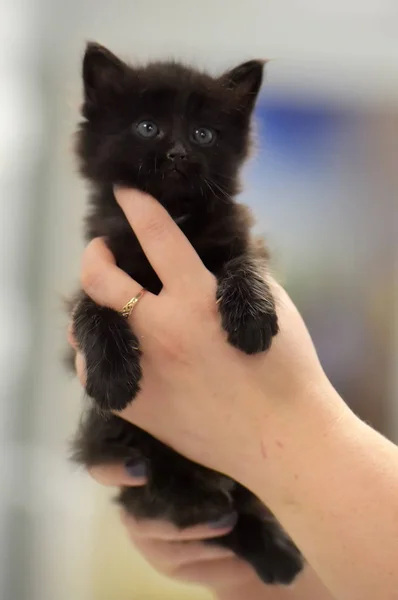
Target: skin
x: 180, y: 555
x: 330, y: 479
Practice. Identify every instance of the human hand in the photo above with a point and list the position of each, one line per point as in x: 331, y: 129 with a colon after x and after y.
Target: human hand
x: 185, y: 353
x: 182, y: 554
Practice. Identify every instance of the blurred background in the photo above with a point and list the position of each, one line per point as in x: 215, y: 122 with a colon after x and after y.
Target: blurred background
x: 323, y: 186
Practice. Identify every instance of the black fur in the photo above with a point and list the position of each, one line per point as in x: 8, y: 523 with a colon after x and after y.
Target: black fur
x: 197, y: 183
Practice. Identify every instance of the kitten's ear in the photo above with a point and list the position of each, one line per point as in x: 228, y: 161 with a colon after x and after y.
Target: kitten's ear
x: 103, y: 72
x: 245, y: 81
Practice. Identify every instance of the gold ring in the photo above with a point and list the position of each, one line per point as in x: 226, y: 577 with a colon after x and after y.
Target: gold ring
x: 128, y: 308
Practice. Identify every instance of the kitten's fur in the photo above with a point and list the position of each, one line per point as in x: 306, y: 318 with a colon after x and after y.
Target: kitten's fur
x: 197, y: 184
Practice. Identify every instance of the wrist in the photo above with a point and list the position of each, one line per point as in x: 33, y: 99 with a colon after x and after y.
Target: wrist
x: 286, y: 436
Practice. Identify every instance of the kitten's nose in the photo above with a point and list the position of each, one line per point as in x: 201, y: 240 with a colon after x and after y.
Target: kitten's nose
x: 177, y: 152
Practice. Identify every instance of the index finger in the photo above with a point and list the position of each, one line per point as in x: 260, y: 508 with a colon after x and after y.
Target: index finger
x: 164, y: 244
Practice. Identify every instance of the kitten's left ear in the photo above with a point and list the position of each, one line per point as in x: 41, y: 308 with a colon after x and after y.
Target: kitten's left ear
x: 245, y: 81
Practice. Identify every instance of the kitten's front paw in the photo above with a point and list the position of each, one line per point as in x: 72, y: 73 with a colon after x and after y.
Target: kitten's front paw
x: 248, y: 313
x: 112, y: 380
x: 254, y: 333
x: 112, y: 355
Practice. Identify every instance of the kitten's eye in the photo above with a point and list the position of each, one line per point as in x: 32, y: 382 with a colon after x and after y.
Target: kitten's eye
x: 147, y: 129
x: 203, y: 136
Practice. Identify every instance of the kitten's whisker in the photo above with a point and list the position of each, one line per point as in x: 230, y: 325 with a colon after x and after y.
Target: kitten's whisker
x: 213, y: 192
x: 223, y: 192
x: 210, y: 183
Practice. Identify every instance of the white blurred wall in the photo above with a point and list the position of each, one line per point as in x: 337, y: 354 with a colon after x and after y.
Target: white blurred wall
x: 345, y: 48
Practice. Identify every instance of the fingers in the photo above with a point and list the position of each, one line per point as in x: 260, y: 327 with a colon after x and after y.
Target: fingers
x: 188, y: 559
x: 104, y: 282
x: 169, y: 557
x: 134, y: 475
x: 166, y: 247
x: 80, y: 366
x: 167, y: 532
x: 117, y: 475
x: 226, y: 572
x: 71, y: 337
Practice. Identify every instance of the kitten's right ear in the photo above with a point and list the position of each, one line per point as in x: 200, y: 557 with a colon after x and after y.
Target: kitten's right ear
x: 103, y: 72
x: 245, y: 82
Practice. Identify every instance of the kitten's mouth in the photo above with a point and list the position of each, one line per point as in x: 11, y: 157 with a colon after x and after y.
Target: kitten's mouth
x: 175, y: 171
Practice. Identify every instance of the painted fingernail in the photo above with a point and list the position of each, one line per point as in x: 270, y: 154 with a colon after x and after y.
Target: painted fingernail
x: 136, y: 468
x: 224, y: 522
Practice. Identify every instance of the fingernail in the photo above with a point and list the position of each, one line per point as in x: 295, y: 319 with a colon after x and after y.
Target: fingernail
x: 136, y: 468
x: 224, y: 521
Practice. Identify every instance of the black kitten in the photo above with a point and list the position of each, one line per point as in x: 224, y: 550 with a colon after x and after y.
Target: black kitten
x: 182, y: 136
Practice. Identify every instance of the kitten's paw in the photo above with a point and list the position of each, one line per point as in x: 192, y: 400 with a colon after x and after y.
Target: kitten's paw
x: 253, y: 333
x: 248, y: 313
x: 112, y: 355
x: 112, y: 380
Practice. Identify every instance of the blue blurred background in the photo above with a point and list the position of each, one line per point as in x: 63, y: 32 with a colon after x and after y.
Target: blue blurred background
x: 323, y: 186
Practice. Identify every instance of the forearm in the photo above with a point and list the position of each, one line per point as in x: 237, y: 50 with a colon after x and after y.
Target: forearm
x: 307, y: 587
x: 333, y: 484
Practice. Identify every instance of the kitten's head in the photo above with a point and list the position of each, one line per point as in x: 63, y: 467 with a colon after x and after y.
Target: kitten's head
x: 167, y: 129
